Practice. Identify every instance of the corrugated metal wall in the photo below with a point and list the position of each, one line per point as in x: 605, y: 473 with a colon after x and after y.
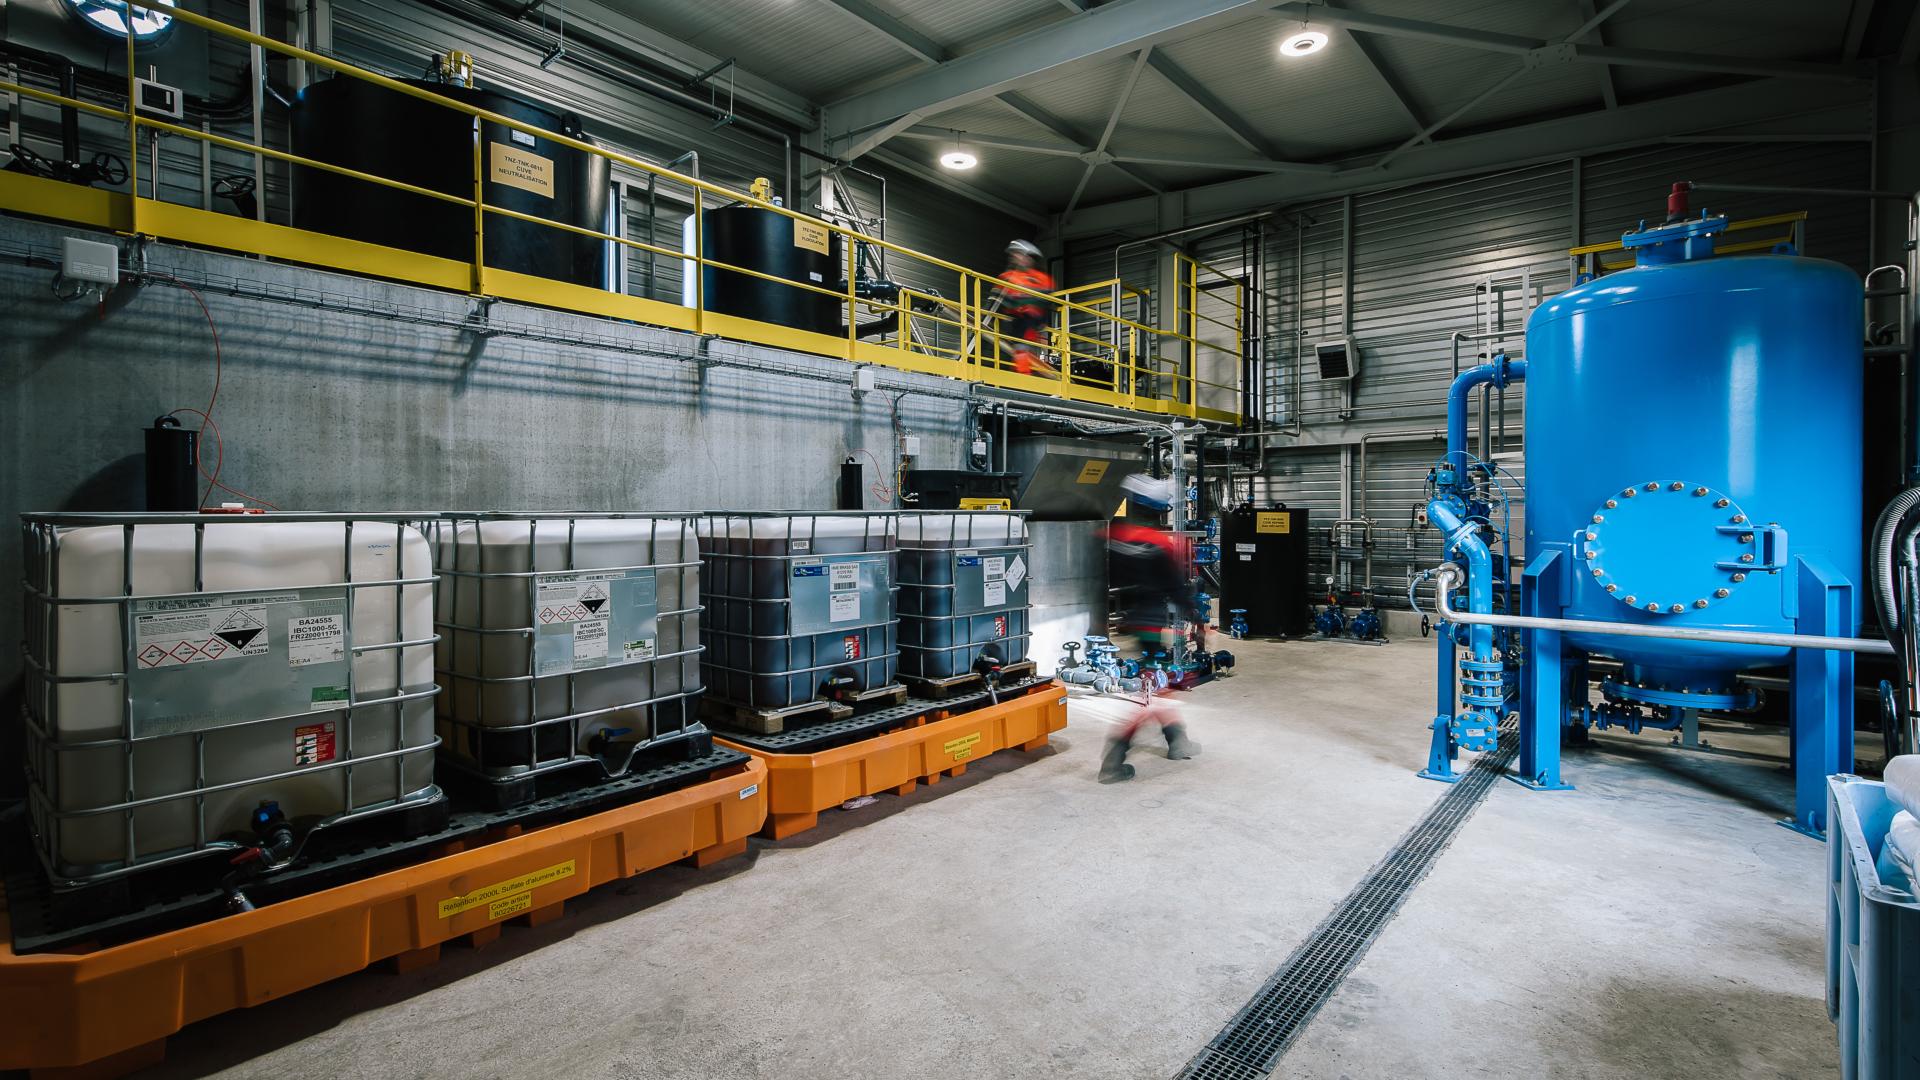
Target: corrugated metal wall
x: 1466, y: 256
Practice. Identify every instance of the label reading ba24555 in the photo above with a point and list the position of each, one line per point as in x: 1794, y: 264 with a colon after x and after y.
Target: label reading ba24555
x: 588, y: 619
x: 202, y: 662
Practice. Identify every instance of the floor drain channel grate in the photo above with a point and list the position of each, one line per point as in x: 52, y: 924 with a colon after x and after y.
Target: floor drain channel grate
x: 1252, y: 1042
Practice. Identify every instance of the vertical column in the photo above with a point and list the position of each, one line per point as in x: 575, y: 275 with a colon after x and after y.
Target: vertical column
x: 1543, y: 683
x: 1822, y: 692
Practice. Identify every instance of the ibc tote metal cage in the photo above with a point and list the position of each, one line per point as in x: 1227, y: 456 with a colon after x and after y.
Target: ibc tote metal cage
x: 170, y: 730
x: 568, y: 639
x: 802, y: 604
x: 964, y: 579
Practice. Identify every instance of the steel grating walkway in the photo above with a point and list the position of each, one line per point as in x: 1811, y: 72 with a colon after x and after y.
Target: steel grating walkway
x: 1253, y: 1042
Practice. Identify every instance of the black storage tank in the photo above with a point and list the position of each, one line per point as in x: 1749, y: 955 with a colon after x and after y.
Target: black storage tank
x: 795, y: 249
x: 357, y: 125
x: 1263, y: 568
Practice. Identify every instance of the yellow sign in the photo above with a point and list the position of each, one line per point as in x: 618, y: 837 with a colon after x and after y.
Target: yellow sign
x: 514, y: 904
x: 497, y: 895
x: 961, y: 749
x: 523, y: 169
x: 810, y: 235
x: 1092, y: 472
x: 986, y: 504
x: 1273, y: 521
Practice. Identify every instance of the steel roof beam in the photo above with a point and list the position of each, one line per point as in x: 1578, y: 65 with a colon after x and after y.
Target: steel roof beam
x: 893, y: 29
x: 1527, y: 63
x: 1066, y: 131
x: 1858, y: 16
x: 1098, y: 34
x: 1099, y: 156
x: 1383, y: 73
x: 1609, y: 94
x: 1596, y: 131
x: 1215, y: 109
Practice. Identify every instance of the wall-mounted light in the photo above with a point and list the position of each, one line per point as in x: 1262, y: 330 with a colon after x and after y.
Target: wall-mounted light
x: 1304, y: 43
x: 956, y: 156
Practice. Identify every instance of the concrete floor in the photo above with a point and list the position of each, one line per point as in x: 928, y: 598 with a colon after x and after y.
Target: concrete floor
x: 1026, y: 921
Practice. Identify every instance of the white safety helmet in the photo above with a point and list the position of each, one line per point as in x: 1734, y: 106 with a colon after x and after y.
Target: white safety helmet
x: 1150, y: 492
x: 1023, y: 247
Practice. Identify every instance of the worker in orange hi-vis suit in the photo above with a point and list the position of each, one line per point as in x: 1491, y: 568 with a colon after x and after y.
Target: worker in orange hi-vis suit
x: 1022, y: 298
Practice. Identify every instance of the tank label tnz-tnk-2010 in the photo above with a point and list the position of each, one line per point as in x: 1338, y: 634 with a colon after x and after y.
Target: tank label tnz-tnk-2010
x: 202, y: 662
x: 588, y: 619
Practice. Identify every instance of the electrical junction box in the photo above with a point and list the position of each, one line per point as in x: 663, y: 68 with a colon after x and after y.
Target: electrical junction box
x: 89, y: 261
x: 158, y: 99
x: 864, y: 380
x: 910, y: 446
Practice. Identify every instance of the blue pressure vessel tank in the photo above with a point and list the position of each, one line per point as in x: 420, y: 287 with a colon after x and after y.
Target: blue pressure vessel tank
x: 1693, y: 426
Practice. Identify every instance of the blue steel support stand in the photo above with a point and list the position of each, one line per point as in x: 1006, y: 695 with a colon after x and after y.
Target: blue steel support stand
x: 1442, y: 752
x: 1543, y: 680
x: 1822, y: 690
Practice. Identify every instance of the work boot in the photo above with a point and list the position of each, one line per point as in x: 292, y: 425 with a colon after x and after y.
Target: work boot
x: 1179, y: 747
x: 1113, y: 764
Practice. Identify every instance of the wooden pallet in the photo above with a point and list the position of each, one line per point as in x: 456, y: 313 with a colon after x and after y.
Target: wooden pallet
x: 966, y: 682
x: 728, y: 715
x: 760, y: 720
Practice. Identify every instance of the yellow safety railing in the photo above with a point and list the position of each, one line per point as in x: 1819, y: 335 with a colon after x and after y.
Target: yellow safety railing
x: 1589, y: 259
x: 1212, y: 314
x: 1092, y: 353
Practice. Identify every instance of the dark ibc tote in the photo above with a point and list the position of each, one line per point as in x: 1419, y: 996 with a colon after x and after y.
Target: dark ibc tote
x: 799, y: 605
x: 963, y: 591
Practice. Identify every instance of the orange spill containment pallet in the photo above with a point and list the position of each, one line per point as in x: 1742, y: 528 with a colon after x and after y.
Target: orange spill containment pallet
x: 109, y: 1010
x: 936, y: 744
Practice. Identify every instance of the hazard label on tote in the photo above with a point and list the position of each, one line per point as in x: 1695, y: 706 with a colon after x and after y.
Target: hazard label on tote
x: 314, y: 744
x: 173, y: 638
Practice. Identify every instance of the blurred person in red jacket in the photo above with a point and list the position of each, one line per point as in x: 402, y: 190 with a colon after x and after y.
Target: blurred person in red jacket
x: 1147, y: 567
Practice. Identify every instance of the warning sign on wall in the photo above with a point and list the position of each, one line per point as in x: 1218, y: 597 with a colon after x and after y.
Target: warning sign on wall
x: 519, y: 168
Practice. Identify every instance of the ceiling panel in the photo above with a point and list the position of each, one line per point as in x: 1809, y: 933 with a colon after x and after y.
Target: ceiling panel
x: 963, y: 24
x: 809, y: 46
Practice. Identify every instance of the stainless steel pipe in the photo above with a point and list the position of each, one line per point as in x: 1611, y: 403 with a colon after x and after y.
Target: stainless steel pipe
x: 1449, y: 576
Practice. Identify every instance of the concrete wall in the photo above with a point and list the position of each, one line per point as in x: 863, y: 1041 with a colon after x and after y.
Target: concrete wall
x: 348, y: 394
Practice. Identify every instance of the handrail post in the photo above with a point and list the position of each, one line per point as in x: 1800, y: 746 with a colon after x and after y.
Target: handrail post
x: 133, y: 136
x: 479, y: 212
x: 853, y: 313
x: 696, y: 264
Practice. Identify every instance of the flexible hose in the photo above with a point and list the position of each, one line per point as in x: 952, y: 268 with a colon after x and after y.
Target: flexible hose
x: 1885, y: 531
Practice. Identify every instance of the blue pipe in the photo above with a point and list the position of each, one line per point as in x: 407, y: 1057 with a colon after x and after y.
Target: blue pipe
x: 1499, y: 371
x: 1482, y: 678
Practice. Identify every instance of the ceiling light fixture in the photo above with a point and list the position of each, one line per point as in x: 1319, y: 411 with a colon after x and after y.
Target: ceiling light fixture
x: 957, y: 157
x: 1304, y: 43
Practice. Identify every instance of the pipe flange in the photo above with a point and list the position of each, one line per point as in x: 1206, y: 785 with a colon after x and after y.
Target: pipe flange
x: 1663, y: 547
